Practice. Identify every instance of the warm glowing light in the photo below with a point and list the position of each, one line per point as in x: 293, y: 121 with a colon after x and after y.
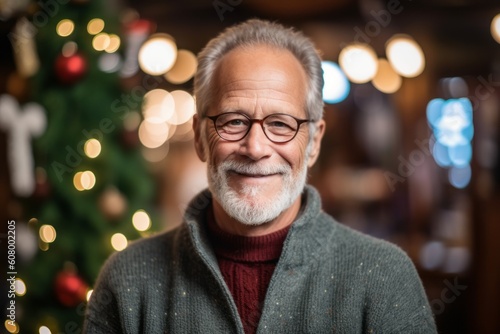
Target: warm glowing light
x: 184, y: 107
x: 95, y: 26
x: 119, y: 241
x: 11, y: 326
x: 114, y: 43
x: 88, y: 180
x: 405, y: 55
x: 89, y: 293
x: 359, y: 62
x: 20, y: 287
x: 44, y: 330
x: 386, y: 80
x: 47, y: 233
x: 158, y: 54
x: 65, y: 28
x: 92, y: 148
x: 495, y: 28
x: 153, y: 135
x: 101, y: 41
x: 158, y: 106
x: 336, y: 87
x: 141, y: 220
x: 77, y: 181
x: 184, y: 67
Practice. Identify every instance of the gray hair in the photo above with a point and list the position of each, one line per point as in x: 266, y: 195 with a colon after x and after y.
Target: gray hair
x: 258, y: 32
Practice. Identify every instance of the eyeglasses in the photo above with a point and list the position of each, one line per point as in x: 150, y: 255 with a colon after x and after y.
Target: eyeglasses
x: 278, y: 128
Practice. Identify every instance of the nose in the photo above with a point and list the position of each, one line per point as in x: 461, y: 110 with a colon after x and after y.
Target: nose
x: 255, y: 145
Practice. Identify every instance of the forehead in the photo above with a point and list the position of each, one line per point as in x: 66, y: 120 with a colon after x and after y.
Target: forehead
x: 260, y: 73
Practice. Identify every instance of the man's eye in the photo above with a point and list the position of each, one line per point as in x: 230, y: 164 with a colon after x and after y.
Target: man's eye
x: 277, y: 124
x: 235, y: 122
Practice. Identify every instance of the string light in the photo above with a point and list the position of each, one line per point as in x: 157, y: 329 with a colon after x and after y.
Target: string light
x: 47, y: 233
x: 119, y: 241
x: 359, y: 62
x: 92, y: 148
x: 65, y: 28
x: 405, y: 55
x: 159, y: 106
x: 158, y: 54
x: 95, y: 26
x: 141, y: 220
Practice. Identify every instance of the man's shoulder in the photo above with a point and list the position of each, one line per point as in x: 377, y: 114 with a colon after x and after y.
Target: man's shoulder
x: 358, y: 245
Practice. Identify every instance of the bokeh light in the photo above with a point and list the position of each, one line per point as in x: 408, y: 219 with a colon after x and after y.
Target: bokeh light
x: 336, y: 86
x: 101, y: 41
x: 77, y: 181
x: 88, y: 180
x: 44, y: 330
x: 460, y: 177
x: 495, y: 28
x: 119, y: 241
x: 95, y: 26
x: 153, y: 135
x: 69, y: 49
x: 386, y: 80
x: 109, y: 62
x: 11, y: 326
x: 359, y: 62
x: 114, y: 43
x: 158, y: 54
x: 185, y: 107
x: 184, y: 67
x: 405, y: 56
x: 141, y: 220
x: 158, y: 106
x: 20, y: 287
x: 47, y: 233
x: 65, y: 27
x: 92, y: 148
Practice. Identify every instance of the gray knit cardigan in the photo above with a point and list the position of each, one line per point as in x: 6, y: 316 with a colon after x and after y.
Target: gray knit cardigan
x: 329, y: 279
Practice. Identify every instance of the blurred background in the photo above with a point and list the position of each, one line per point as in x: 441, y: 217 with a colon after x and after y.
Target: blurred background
x: 96, y: 142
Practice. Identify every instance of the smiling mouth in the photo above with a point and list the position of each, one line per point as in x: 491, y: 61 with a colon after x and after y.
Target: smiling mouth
x: 252, y: 175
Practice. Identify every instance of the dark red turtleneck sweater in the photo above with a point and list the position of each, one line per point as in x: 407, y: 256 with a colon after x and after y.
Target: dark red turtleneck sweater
x: 247, y: 264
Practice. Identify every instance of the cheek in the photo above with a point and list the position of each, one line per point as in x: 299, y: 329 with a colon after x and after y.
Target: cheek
x: 214, y: 147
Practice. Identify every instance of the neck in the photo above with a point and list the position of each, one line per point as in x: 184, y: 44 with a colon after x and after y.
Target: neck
x: 230, y: 225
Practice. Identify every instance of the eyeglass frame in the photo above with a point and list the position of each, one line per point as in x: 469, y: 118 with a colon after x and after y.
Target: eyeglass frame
x: 261, y: 122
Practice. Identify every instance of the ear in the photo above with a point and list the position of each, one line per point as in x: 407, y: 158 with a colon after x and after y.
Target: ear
x: 316, y: 144
x: 198, y: 141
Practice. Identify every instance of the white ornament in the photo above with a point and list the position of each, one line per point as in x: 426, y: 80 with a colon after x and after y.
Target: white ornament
x: 20, y: 125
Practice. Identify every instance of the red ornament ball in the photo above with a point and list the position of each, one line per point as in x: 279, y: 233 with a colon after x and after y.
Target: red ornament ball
x: 70, y: 288
x: 70, y: 69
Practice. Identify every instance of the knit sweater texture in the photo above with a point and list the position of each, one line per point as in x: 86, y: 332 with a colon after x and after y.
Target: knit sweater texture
x: 329, y: 279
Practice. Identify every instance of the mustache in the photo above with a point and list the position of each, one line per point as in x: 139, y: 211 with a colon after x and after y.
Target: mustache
x: 254, y: 168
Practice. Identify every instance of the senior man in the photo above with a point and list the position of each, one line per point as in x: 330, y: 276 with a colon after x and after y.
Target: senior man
x: 255, y: 252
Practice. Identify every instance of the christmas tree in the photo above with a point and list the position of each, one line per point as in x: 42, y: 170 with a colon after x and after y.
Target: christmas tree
x: 90, y: 191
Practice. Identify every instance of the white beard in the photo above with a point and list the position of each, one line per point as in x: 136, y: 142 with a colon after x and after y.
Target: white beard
x: 251, y: 205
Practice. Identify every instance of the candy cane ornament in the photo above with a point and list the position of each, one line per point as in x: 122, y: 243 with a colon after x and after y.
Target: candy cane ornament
x: 21, y: 125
